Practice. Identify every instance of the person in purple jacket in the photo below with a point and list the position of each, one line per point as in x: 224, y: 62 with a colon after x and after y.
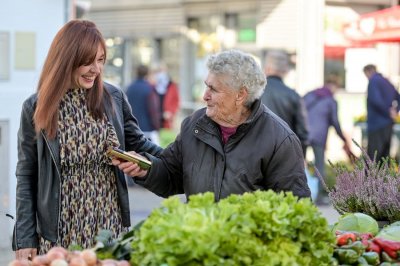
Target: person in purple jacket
x: 382, y: 106
x: 322, y: 111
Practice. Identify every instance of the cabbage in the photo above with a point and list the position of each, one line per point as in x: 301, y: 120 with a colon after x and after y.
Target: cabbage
x: 357, y: 222
x: 391, y: 232
x: 395, y: 224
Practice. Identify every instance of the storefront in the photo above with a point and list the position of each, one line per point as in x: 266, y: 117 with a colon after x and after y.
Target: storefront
x: 184, y: 33
x: 181, y: 34
x: 374, y: 27
x: 357, y: 36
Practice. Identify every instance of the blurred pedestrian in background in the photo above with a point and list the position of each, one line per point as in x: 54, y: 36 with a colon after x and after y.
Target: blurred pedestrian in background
x: 382, y: 107
x: 322, y: 112
x: 233, y: 145
x: 168, y: 92
x: 282, y: 100
x: 145, y: 104
x: 67, y: 188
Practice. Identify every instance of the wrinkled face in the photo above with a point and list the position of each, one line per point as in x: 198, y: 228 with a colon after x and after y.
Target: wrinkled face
x: 221, y: 100
x: 85, y: 75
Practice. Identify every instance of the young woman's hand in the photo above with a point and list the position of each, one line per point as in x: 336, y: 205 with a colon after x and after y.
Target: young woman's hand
x: 25, y: 253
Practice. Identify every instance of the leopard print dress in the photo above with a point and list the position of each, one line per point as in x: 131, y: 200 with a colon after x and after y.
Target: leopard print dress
x: 89, y: 200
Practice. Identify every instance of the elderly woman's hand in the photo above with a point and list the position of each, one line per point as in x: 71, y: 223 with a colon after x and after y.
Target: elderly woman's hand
x: 129, y: 168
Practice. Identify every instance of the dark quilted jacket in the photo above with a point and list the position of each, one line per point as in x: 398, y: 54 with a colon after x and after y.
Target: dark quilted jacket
x: 263, y: 154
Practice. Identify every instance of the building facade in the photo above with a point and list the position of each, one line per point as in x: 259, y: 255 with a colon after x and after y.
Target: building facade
x: 182, y: 33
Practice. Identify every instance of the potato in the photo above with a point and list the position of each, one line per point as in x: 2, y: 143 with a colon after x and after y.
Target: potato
x: 77, y: 261
x: 123, y: 263
x: 40, y: 260
x: 89, y: 256
x: 59, y: 262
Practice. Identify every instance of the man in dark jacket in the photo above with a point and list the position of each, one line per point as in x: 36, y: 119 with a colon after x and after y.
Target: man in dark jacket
x: 382, y: 105
x: 282, y: 100
x: 233, y: 145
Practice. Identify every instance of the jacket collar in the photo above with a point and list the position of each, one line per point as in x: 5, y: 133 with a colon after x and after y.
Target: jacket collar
x: 274, y: 77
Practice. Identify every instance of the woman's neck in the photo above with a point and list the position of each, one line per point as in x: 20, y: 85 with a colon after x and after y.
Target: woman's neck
x: 236, y: 119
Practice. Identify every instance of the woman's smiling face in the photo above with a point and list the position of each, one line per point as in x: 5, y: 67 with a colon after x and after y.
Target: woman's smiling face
x: 85, y: 75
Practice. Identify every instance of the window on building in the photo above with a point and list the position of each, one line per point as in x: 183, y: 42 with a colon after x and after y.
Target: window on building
x: 247, y: 28
x: 231, y: 21
x: 193, y: 23
x: 244, y: 24
x: 113, y: 71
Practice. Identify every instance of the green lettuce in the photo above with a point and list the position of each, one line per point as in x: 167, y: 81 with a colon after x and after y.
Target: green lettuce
x: 261, y: 228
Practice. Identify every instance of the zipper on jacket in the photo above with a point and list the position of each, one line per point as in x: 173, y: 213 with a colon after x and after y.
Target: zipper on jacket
x: 59, y: 175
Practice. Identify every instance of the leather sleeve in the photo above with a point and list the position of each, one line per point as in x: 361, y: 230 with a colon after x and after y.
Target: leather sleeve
x: 134, y: 137
x: 27, y: 174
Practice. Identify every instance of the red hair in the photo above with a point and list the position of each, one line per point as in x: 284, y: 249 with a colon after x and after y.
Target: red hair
x: 75, y: 44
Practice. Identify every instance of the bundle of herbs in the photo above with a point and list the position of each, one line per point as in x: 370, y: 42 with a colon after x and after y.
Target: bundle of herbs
x: 370, y: 187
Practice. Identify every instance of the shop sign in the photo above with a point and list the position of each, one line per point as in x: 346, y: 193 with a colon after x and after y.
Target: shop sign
x: 379, y: 26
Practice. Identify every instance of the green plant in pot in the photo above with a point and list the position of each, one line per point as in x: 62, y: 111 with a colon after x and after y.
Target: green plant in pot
x: 370, y: 187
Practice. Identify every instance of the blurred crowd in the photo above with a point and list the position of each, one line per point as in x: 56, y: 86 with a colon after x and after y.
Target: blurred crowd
x: 311, y: 116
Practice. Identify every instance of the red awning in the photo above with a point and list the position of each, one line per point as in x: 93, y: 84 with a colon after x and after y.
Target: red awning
x: 379, y: 26
x: 334, y: 52
x: 338, y: 52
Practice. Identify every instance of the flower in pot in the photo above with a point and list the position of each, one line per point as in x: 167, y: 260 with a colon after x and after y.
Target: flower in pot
x: 370, y: 187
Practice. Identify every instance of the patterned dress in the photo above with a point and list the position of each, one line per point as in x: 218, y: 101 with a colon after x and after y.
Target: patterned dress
x: 89, y: 200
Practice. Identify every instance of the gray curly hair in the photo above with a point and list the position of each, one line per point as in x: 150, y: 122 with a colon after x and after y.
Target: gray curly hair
x: 240, y: 70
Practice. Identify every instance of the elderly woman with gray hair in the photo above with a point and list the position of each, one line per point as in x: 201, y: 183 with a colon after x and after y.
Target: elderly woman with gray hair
x: 233, y: 145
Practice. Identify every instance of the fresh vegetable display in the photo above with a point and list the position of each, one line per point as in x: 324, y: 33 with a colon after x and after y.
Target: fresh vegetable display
x: 261, y: 228
x: 358, y: 222
x: 345, y: 238
x: 392, y: 248
x: 391, y: 232
x: 58, y: 256
x: 358, y: 247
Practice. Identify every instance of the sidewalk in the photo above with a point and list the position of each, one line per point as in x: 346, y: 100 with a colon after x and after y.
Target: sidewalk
x: 6, y: 256
x: 142, y: 202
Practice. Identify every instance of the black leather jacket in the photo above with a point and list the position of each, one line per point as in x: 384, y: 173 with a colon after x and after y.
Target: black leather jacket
x: 263, y: 154
x: 38, y: 171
